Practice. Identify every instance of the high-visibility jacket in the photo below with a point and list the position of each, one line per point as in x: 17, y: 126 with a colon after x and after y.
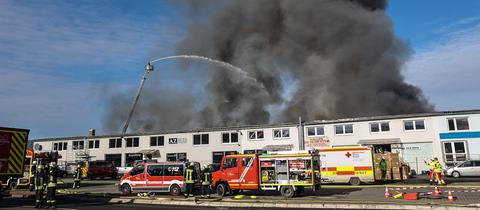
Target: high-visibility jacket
x: 431, y: 165
x: 78, y: 174
x: 189, y: 176
x: 40, y: 180
x: 33, y: 169
x: 383, y: 165
x: 438, y: 167
x: 52, y: 178
x: 207, y: 178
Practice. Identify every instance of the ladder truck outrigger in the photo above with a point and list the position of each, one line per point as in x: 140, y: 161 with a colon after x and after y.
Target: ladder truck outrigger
x: 287, y: 172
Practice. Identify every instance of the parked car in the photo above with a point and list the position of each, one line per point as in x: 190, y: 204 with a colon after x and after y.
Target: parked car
x: 101, y: 169
x: 466, y: 168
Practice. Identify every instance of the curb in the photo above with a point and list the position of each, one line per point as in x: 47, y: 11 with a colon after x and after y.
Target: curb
x: 256, y: 204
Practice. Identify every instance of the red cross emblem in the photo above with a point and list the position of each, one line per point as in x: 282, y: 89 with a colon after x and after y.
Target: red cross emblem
x: 348, y: 154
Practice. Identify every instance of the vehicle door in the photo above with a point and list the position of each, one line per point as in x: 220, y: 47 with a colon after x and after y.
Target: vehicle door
x: 248, y: 172
x: 465, y: 168
x: 476, y: 168
x: 172, y: 174
x: 137, y: 177
x: 230, y: 167
x: 154, y: 177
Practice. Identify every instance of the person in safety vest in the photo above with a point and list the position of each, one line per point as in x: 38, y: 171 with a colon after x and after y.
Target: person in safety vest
x: 77, y: 177
x: 383, y: 168
x: 438, y: 170
x: 31, y: 175
x: 206, y: 181
x: 52, y: 186
x: 431, y: 167
x: 40, y: 183
x: 190, y: 180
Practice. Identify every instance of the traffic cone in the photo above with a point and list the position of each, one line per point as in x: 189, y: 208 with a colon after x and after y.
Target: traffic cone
x: 437, y: 192
x: 450, y: 197
x: 387, y: 194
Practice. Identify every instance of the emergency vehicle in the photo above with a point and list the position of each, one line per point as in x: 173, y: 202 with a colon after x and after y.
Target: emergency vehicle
x: 289, y: 173
x: 352, y: 165
x: 23, y: 182
x: 13, y: 144
x: 156, y: 177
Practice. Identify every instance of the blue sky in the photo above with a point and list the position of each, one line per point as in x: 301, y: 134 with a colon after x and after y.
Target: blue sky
x: 59, y: 59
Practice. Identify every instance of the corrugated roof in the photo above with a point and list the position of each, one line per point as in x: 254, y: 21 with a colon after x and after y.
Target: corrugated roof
x: 313, y: 122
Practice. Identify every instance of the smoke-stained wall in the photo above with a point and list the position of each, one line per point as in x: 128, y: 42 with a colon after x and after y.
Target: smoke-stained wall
x: 319, y: 59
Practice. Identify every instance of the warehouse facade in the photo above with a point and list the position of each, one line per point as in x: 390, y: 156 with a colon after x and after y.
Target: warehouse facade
x: 450, y: 136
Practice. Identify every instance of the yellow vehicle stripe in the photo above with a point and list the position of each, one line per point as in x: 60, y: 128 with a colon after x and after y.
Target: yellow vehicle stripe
x: 345, y: 168
x: 17, y: 150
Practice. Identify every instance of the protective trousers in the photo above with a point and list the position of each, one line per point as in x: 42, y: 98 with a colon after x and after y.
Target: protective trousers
x: 189, y: 189
x: 51, y: 198
x: 76, y: 184
x: 206, y: 190
x: 38, y: 198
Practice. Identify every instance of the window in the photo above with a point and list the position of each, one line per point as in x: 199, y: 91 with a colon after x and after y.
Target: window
x: 258, y: 151
x: 344, y: 129
x: 59, y: 146
x: 228, y: 138
x: 132, y: 158
x: 155, y: 170
x: 458, y: 124
x: 132, y: 142
x: 115, y: 143
x: 315, y: 131
x: 454, y: 151
x: 93, y: 144
x: 78, y: 145
x: 116, y: 159
x: 199, y: 139
x: 281, y: 133
x: 410, y: 125
x: 137, y: 170
x: 176, y: 157
x: 156, y: 141
x: 173, y: 170
x: 246, y: 161
x: 230, y: 163
x: 379, y: 127
x: 217, y: 156
x: 255, y: 135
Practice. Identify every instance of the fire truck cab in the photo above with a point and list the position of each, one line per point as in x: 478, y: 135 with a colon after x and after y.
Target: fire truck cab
x: 289, y: 173
x: 156, y: 177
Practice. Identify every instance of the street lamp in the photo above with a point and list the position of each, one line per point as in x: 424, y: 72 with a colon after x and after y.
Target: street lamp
x: 148, y: 69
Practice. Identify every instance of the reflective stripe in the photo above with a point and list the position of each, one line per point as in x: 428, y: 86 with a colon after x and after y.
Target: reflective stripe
x: 189, y: 177
x: 207, y: 178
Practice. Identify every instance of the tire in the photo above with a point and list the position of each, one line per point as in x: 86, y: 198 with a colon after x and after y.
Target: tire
x: 13, y: 184
x: 355, y: 181
x: 222, y: 189
x: 287, y: 191
x: 126, y: 189
x: 175, y: 190
x: 456, y: 174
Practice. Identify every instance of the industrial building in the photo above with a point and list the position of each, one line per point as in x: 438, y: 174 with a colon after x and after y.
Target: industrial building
x: 451, y: 136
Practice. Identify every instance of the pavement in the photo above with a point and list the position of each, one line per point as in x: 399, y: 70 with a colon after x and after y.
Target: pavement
x: 466, y: 190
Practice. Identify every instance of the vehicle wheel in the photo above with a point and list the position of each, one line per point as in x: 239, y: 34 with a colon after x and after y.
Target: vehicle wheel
x: 13, y: 184
x: 222, y: 189
x: 456, y: 174
x: 287, y: 191
x: 175, y: 190
x: 126, y: 189
x: 354, y: 181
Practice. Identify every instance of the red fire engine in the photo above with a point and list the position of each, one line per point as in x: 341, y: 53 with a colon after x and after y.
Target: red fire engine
x: 288, y: 173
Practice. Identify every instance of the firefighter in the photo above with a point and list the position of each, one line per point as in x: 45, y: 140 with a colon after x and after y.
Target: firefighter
x: 31, y: 175
x: 77, y: 177
x: 40, y: 183
x: 190, y: 180
x: 52, y: 186
x: 431, y: 167
x: 438, y: 171
x: 206, y: 181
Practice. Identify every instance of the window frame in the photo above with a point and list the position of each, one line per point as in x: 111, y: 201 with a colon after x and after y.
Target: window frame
x: 230, y: 138
x: 256, y: 132
x: 116, y: 143
x: 201, y: 139
x: 157, y: 140
x: 315, y: 130
x: 281, y: 133
x: 380, y: 128
x: 135, y: 142
x: 96, y: 144
x: 414, y: 124
x: 344, y: 133
x: 455, y: 123
x: 78, y: 141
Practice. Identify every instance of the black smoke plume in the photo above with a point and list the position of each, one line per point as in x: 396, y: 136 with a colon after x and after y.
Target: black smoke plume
x: 319, y: 59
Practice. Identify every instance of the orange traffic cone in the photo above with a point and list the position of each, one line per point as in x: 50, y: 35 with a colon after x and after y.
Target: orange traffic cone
x: 450, y: 197
x: 437, y: 192
x: 387, y: 194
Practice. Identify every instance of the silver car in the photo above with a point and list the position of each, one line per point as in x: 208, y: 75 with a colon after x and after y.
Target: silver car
x: 466, y: 168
